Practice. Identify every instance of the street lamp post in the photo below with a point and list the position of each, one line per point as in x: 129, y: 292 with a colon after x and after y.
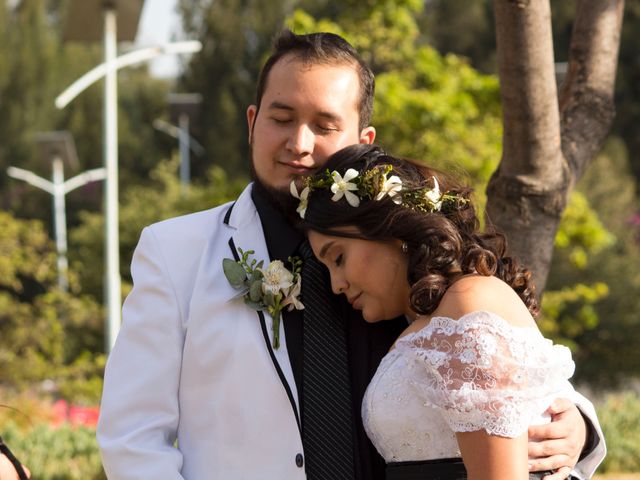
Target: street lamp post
x: 184, y: 108
x: 112, y: 233
x: 58, y: 147
x: 83, y: 26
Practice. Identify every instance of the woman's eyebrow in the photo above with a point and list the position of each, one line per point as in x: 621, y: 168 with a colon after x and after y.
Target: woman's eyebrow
x: 325, y: 247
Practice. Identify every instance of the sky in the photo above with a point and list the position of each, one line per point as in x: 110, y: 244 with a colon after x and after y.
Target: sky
x: 159, y: 23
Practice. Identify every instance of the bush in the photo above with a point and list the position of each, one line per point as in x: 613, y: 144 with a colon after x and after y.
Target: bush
x: 619, y: 416
x: 64, y: 453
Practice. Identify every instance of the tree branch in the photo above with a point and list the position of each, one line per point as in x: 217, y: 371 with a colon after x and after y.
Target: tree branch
x: 548, y: 142
x: 527, y: 194
x: 587, y: 95
x: 531, y: 138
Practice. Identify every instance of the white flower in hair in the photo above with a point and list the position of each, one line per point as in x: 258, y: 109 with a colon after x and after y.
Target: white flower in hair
x: 434, y: 195
x: 392, y: 187
x: 302, y: 196
x: 342, y: 187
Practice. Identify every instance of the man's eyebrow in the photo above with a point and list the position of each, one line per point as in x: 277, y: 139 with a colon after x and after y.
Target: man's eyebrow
x: 326, y: 246
x: 330, y: 116
x: 280, y: 106
x: 334, y: 117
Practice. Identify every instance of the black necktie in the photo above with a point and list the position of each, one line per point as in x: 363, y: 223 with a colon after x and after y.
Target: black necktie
x: 327, y: 425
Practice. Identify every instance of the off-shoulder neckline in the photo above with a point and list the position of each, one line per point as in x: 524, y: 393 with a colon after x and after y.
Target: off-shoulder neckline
x: 442, y: 319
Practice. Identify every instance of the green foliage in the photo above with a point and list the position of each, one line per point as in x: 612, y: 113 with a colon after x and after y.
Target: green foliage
x: 235, y: 35
x: 606, y: 351
x: 430, y: 107
x: 581, y: 232
x: 463, y: 27
x: 45, y: 333
x: 64, y: 453
x: 27, y: 255
x: 142, y: 205
x: 37, y: 66
x: 570, y: 311
x: 619, y: 417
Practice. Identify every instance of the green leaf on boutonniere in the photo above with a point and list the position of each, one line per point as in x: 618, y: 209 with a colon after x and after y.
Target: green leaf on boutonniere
x: 256, y: 275
x: 254, y: 305
x: 255, y: 290
x: 234, y: 272
x: 269, y: 289
x: 269, y: 299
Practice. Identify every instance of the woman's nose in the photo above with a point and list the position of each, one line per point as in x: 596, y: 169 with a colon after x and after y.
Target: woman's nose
x: 338, y: 285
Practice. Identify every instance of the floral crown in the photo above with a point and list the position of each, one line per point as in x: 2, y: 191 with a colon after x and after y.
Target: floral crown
x: 375, y: 184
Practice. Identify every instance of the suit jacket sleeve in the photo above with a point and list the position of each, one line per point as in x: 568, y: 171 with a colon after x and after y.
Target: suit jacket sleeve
x: 139, y: 410
x: 586, y: 467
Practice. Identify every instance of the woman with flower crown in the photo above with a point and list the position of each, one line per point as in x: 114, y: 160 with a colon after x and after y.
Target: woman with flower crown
x: 455, y: 395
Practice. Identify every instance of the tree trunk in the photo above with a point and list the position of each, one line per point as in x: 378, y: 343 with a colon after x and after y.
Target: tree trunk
x: 548, y: 140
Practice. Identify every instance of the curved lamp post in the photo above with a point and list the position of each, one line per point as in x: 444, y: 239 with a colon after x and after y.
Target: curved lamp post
x: 83, y: 12
x: 59, y: 147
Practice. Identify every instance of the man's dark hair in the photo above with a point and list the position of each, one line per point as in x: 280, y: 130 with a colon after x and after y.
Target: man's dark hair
x: 321, y: 48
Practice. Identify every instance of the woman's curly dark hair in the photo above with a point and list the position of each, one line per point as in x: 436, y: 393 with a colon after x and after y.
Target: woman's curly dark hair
x: 443, y: 245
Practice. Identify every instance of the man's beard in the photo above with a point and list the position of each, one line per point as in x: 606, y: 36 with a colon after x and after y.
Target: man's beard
x: 283, y: 201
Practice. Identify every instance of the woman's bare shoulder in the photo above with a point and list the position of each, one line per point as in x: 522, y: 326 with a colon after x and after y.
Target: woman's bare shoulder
x: 473, y: 293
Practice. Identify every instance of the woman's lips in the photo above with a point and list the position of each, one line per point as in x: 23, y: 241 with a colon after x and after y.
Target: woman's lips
x: 353, y: 301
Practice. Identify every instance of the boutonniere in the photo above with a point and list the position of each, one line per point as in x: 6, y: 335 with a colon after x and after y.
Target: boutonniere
x: 271, y: 289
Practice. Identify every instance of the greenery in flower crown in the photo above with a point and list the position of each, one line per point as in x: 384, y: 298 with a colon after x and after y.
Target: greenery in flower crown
x: 375, y: 184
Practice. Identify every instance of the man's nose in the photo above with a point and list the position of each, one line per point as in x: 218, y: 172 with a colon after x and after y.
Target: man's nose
x: 301, y: 141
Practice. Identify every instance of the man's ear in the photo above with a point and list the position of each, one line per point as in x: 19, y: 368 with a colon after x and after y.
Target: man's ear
x: 368, y: 135
x: 252, y: 113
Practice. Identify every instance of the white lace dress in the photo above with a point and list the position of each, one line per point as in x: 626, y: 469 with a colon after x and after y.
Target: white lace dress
x: 477, y: 372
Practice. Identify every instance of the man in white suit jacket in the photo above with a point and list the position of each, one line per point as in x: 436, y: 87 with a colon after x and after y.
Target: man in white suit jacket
x: 193, y: 388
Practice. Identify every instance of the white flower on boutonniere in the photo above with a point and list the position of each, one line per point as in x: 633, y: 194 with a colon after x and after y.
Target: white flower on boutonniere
x: 292, y: 300
x: 270, y: 289
x: 276, y: 278
x: 343, y: 187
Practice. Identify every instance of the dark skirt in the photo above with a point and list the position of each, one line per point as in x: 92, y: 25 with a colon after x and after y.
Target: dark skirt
x: 441, y: 469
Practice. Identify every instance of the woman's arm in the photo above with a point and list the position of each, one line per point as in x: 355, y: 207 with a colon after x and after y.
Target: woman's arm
x: 490, y: 457
x: 8, y: 471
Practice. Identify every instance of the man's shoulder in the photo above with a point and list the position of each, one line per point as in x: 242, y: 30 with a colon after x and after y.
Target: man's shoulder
x: 190, y: 227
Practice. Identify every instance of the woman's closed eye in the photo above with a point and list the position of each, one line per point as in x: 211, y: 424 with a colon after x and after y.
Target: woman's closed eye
x: 338, y: 260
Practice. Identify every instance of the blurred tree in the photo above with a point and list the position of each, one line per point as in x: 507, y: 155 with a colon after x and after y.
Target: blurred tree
x: 235, y: 34
x: 142, y: 205
x: 450, y: 113
x: 578, y: 310
x: 26, y: 91
x: 439, y: 109
x: 549, y: 140
x: 605, y: 352
x: 45, y: 333
x: 36, y: 67
x: 463, y: 27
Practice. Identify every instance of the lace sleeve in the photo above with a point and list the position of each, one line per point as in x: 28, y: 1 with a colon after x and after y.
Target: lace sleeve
x: 483, y: 373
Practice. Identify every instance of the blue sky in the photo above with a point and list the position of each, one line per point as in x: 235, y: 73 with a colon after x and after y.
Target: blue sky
x: 159, y: 23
